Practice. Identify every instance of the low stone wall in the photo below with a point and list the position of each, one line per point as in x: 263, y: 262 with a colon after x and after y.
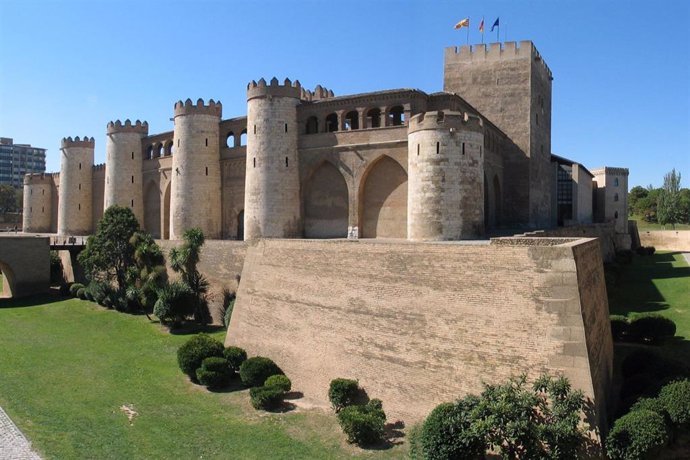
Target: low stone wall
x: 422, y: 323
x: 221, y: 263
x: 609, y: 240
x: 666, y: 240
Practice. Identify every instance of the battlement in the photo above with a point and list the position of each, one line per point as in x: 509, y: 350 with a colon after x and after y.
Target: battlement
x: 610, y: 170
x: 449, y: 120
x: 319, y: 93
x: 495, y: 52
x: 128, y: 127
x: 98, y: 167
x: 189, y: 108
x: 262, y: 89
x: 37, y: 178
x: 86, y: 142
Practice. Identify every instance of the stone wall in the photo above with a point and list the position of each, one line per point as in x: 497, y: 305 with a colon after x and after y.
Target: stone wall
x: 666, y: 240
x: 419, y: 324
x: 609, y: 241
x: 25, y: 265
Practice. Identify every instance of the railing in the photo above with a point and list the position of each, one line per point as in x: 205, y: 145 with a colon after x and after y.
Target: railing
x: 68, y: 240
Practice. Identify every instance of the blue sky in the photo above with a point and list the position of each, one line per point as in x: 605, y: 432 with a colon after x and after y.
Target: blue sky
x: 621, y: 89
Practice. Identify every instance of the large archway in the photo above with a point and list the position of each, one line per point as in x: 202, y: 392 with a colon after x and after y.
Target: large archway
x: 166, y: 213
x: 7, y: 280
x: 152, y: 209
x: 383, y: 200
x: 326, y: 204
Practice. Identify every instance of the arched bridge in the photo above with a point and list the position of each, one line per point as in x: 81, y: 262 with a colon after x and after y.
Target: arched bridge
x: 25, y: 265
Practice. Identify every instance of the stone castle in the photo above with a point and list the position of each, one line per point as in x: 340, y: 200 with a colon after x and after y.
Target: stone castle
x: 452, y: 165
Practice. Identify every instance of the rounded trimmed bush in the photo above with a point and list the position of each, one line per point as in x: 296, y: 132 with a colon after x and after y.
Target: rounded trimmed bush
x: 235, y: 356
x: 193, y: 352
x: 363, y: 424
x: 343, y: 393
x: 279, y: 381
x: 619, y: 327
x: 74, y: 287
x: 81, y: 293
x: 266, y: 398
x: 637, y: 435
x: 675, y: 398
x: 446, y: 432
x: 256, y: 370
x: 651, y: 404
x: 651, y: 327
x: 215, y: 372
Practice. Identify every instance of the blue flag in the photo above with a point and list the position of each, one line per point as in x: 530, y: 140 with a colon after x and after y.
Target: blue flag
x: 495, y: 25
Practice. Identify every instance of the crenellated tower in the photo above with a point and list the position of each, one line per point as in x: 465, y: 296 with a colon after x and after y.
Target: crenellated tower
x: 272, y: 189
x: 123, y: 172
x: 76, y: 188
x: 195, y: 199
x: 38, y: 196
x: 446, y: 176
x: 510, y: 84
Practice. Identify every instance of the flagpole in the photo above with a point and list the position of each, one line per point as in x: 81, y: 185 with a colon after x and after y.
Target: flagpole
x: 482, y: 30
x: 498, y: 33
x: 468, y: 29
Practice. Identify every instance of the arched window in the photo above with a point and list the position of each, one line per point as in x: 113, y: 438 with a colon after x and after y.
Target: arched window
x: 615, y: 182
x: 149, y: 152
x: 351, y: 120
x: 169, y: 149
x: 230, y: 140
x: 332, y: 123
x: 312, y: 125
x: 161, y: 151
x: 374, y: 118
x: 243, y: 137
x: 615, y: 197
x: 396, y: 116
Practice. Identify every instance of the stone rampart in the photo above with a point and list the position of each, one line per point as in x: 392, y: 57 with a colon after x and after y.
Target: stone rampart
x: 419, y: 324
x: 609, y: 240
x: 666, y: 240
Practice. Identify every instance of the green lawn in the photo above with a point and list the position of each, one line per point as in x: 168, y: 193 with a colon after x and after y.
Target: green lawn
x: 68, y: 366
x: 642, y: 225
x: 658, y: 283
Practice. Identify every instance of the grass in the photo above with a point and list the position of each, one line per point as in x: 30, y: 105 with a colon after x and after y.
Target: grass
x: 643, y: 225
x: 68, y: 366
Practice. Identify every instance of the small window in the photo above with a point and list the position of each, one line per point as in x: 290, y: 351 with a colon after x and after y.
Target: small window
x: 207, y: 142
x: 285, y: 127
x: 80, y: 206
x: 480, y: 150
x: 132, y: 155
x: 79, y: 186
x: 132, y: 179
x: 417, y: 149
x: 207, y: 170
x: 79, y: 165
x: 31, y: 209
x: 132, y: 203
x: 254, y: 129
x: 178, y: 142
x: 286, y: 162
x: 463, y: 148
x: 438, y: 148
x: 615, y: 197
x: 44, y: 192
x: 615, y: 182
x: 255, y: 162
x: 615, y: 215
x: 43, y: 209
x: 537, y: 119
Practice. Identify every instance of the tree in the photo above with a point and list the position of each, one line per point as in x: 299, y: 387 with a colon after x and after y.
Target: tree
x: 148, y: 274
x: 184, y: 261
x: 634, y: 196
x: 668, y: 203
x: 108, y: 254
x: 8, y: 198
x: 685, y: 205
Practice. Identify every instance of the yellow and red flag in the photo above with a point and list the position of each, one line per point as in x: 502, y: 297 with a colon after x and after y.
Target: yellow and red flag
x: 464, y: 23
x: 481, y: 26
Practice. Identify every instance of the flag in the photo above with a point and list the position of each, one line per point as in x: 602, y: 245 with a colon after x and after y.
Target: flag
x: 464, y: 23
x: 481, y: 26
x: 495, y: 25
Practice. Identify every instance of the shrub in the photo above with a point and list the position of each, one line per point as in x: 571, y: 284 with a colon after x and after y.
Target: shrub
x: 214, y: 372
x: 81, y: 293
x: 343, y: 393
x: 74, y: 287
x: 88, y: 295
x: 107, y: 302
x: 651, y: 327
x: 255, y: 371
x: 98, y: 291
x: 447, y: 432
x: 650, y: 404
x: 266, y: 398
x: 235, y: 356
x: 193, y: 352
x: 637, y: 435
x: 675, y: 398
x: 363, y: 424
x: 619, y: 327
x: 279, y: 381
x: 175, y: 302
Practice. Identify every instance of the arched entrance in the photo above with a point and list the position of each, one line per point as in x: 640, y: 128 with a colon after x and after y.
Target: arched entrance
x: 152, y: 207
x: 7, y: 280
x: 383, y: 200
x: 326, y: 207
x: 240, y: 226
x: 166, y: 213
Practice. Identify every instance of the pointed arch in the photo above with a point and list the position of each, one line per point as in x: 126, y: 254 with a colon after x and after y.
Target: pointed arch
x: 383, y: 200
x: 152, y: 209
x: 326, y: 203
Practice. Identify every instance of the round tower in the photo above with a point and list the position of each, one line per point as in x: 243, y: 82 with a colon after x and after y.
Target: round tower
x: 195, y: 184
x: 272, y: 195
x: 38, y: 195
x: 123, y: 166
x: 446, y: 176
x: 76, y: 189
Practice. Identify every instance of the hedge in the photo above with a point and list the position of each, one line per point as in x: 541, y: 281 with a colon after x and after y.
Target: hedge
x: 256, y: 370
x: 193, y: 352
x: 363, y: 424
x: 343, y: 393
x: 637, y: 435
